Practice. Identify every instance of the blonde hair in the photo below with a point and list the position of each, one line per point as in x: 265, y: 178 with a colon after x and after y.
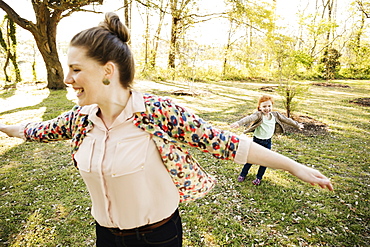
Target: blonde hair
x: 108, y: 42
x: 264, y: 98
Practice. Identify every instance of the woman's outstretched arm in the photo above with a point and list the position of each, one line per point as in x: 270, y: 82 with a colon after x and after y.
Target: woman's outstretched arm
x: 262, y: 156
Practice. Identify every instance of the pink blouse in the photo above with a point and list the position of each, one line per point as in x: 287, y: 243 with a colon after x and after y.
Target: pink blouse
x: 127, y: 191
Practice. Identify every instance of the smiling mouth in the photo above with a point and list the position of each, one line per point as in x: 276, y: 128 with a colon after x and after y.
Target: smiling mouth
x: 79, y: 91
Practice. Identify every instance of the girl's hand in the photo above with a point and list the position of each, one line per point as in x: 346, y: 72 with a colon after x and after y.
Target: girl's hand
x: 234, y: 125
x: 301, y: 126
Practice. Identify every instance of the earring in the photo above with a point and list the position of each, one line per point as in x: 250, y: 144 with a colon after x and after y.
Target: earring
x: 106, y: 81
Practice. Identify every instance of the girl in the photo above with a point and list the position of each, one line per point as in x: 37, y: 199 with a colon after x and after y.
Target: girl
x: 263, y: 123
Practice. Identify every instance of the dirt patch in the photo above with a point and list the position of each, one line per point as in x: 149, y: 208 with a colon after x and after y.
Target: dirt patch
x: 191, y: 93
x: 361, y: 101
x: 312, y: 127
x: 328, y: 84
x: 269, y: 88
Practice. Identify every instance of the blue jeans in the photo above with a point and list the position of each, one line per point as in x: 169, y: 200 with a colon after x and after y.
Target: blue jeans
x: 261, y: 170
x: 167, y: 235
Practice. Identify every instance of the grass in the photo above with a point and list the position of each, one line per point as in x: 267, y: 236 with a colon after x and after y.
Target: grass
x: 44, y: 202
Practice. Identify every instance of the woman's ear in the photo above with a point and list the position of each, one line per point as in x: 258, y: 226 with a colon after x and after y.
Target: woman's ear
x: 109, y: 69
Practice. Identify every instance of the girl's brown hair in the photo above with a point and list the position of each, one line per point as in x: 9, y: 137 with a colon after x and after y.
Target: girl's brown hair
x: 108, y: 42
x: 264, y: 98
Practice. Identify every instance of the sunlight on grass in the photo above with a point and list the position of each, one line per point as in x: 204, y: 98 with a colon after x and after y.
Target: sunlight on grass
x: 7, y: 143
x: 209, y: 239
x: 341, y: 93
x: 24, y: 96
x: 10, y: 165
x: 23, y: 116
x: 61, y: 211
x: 276, y: 177
x: 34, y: 233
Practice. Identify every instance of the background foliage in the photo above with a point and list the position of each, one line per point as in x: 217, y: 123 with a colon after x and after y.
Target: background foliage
x: 328, y: 39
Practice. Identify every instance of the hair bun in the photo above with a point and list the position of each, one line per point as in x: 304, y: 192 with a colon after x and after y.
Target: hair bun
x: 115, y: 26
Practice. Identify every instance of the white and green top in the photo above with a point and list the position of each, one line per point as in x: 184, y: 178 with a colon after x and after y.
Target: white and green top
x: 267, y: 127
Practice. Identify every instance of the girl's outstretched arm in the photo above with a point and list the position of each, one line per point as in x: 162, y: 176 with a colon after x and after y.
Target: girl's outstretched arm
x: 262, y: 156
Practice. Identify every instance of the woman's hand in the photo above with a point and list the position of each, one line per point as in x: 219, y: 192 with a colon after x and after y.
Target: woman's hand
x: 2, y: 127
x: 311, y: 176
x: 234, y: 125
x: 10, y: 130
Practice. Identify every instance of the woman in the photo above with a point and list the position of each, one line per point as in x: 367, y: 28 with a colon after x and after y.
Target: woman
x: 128, y: 146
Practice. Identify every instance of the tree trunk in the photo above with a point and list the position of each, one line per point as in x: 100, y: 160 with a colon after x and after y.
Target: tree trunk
x: 154, y: 50
x: 329, y: 6
x: 7, y: 78
x: 173, y: 43
x: 17, y: 72
x: 147, y: 37
x: 48, y: 50
x: 359, y: 33
x: 227, y: 48
x: 127, y: 7
x: 45, y: 37
x: 12, y: 44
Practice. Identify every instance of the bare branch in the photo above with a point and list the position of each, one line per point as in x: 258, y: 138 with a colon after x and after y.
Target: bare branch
x: 71, y: 11
x: 363, y: 8
x: 26, y: 24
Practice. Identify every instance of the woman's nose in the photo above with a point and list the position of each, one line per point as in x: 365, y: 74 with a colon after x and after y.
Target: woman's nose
x: 68, y: 80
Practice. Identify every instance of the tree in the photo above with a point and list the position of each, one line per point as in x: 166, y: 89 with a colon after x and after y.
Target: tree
x: 180, y: 19
x: 183, y: 15
x: 250, y: 22
x: 127, y: 7
x: 331, y: 63
x: 356, y: 58
x: 329, y: 5
x: 9, y: 43
x: 161, y: 7
x: 364, y: 7
x: 48, y: 13
x: 289, y: 91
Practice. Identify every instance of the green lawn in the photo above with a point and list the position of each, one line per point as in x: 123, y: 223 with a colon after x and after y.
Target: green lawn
x: 44, y: 202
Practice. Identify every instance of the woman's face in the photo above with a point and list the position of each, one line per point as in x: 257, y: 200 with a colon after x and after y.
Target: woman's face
x: 266, y: 107
x: 85, y: 76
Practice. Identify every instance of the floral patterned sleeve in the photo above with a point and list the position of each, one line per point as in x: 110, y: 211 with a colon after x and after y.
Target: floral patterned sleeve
x: 183, y: 125
x: 59, y: 128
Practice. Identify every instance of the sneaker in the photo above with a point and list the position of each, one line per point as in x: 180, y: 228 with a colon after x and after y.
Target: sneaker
x: 241, y: 179
x: 257, y: 181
